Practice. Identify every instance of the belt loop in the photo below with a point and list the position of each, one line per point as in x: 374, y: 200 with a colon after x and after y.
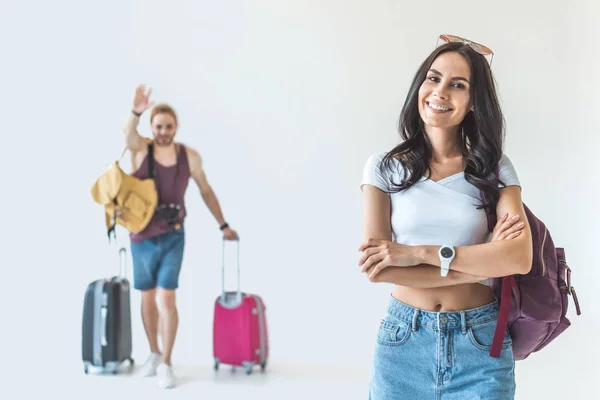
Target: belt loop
x: 414, y: 321
x: 463, y: 322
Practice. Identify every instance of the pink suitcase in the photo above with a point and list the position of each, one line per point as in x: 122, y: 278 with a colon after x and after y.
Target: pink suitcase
x: 240, y: 336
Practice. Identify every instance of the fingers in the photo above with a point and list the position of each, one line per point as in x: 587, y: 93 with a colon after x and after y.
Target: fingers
x: 231, y: 236
x: 506, y: 222
x: 377, y: 269
x: 514, y: 229
x: 503, y: 227
x: 143, y: 91
x: 147, y: 95
x: 375, y: 257
x: 372, y: 260
x: 371, y: 243
x: 513, y: 235
x: 149, y: 105
x: 367, y: 253
x: 510, y: 231
x: 501, y: 220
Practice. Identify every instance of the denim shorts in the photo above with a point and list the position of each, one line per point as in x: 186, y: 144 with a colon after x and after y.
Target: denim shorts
x: 157, y: 260
x: 440, y: 355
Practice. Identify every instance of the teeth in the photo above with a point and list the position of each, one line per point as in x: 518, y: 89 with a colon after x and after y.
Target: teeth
x: 439, y: 108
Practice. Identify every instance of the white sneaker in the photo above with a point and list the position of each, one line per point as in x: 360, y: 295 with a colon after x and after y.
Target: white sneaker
x: 149, y: 367
x: 166, y: 379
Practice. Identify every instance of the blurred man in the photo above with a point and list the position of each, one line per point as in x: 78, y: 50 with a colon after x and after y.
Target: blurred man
x: 157, y: 251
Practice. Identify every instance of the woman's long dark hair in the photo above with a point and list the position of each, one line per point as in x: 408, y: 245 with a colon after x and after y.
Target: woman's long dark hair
x: 482, y: 130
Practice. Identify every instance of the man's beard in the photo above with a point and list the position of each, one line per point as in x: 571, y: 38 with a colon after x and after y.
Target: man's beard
x: 163, y: 141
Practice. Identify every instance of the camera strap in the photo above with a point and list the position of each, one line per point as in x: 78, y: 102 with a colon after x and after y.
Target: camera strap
x: 152, y: 168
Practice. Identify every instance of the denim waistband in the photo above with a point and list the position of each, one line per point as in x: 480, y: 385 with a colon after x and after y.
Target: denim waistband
x: 443, y: 320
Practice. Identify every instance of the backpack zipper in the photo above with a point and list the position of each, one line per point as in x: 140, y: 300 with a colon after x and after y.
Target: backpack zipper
x: 542, y: 252
x: 568, y: 272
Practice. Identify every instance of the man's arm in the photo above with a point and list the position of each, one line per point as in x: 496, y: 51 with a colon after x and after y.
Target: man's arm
x: 208, y: 195
x: 141, y: 102
x: 377, y: 224
x: 133, y: 140
x: 496, y: 258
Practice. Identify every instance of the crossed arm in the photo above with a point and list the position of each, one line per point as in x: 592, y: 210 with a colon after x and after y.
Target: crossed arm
x: 418, y: 266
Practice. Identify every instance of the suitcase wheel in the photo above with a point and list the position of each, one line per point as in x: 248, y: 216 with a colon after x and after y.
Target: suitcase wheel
x: 263, y: 366
x: 216, y: 364
x: 248, y: 367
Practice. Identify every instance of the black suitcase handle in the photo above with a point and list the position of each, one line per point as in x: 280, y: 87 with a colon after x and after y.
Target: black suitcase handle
x: 123, y: 262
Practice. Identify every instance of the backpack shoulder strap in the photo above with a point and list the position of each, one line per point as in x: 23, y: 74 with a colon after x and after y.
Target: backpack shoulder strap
x: 507, y: 284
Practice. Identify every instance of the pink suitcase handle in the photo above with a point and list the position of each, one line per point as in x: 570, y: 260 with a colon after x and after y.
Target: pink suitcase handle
x: 239, y: 294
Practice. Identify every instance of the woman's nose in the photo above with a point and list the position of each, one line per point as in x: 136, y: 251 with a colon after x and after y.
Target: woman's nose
x: 441, y: 93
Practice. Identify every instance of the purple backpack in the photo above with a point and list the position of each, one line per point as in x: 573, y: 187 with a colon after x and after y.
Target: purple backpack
x: 534, y: 306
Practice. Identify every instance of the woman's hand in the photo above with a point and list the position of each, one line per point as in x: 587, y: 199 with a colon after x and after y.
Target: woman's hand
x: 507, y: 228
x: 379, y: 254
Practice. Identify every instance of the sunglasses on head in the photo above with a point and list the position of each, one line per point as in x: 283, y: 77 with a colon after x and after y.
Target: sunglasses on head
x: 481, y: 49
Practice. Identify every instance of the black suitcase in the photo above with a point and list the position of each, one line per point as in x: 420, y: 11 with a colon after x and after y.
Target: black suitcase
x: 106, y: 326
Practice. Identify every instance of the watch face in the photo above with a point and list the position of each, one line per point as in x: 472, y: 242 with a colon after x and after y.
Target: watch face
x: 446, y: 252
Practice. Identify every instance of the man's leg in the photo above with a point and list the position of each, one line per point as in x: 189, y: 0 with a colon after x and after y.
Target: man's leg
x: 145, y: 263
x: 168, y: 282
x: 170, y: 322
x: 150, y: 318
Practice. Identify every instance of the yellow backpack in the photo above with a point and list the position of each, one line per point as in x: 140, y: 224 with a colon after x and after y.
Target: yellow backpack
x: 127, y: 200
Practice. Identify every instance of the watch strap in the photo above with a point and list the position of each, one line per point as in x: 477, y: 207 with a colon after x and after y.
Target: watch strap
x: 445, y: 268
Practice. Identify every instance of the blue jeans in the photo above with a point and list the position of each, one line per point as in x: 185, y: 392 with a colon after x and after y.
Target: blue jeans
x: 157, y: 260
x: 440, y: 355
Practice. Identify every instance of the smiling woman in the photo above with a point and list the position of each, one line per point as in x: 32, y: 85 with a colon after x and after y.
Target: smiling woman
x: 425, y: 231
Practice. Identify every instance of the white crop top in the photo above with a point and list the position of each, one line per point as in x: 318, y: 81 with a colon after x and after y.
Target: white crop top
x: 435, y: 213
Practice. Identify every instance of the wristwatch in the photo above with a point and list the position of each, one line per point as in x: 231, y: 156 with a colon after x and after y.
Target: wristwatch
x: 447, y: 254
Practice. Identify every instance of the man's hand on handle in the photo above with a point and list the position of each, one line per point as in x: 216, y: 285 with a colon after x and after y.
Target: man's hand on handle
x: 230, y: 234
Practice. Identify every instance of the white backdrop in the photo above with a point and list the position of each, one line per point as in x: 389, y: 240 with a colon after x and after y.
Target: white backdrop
x: 285, y: 101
